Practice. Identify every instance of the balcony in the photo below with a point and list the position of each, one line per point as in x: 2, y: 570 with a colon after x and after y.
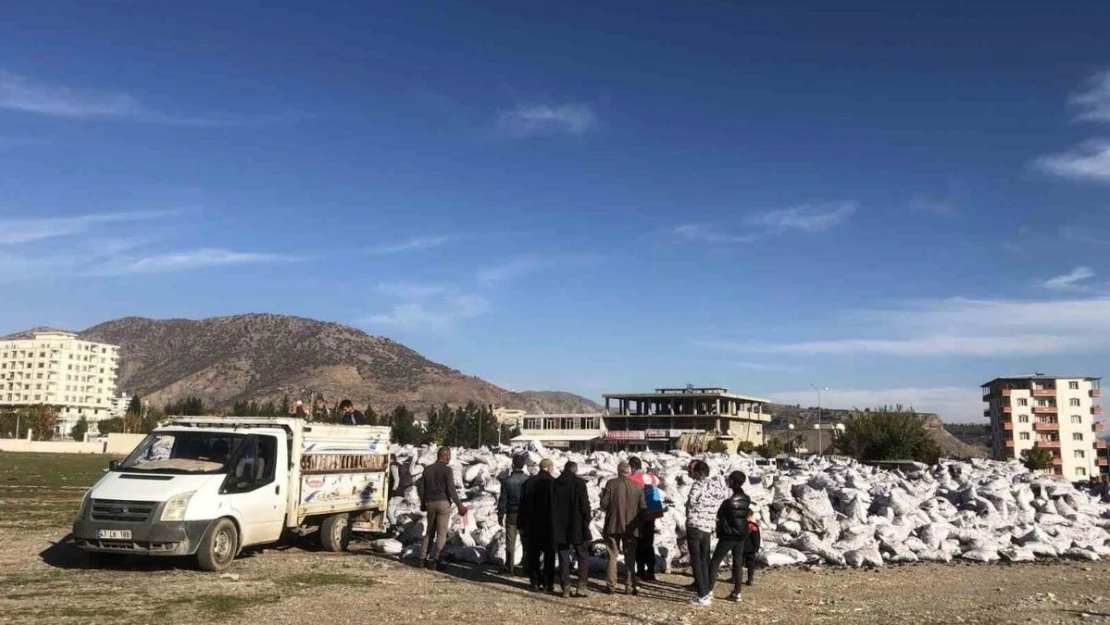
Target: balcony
x: 1096, y: 392
x: 1096, y: 409
x: 1006, y: 392
x: 1046, y: 427
x: 1057, y: 461
x: 1009, y: 442
x: 1009, y: 425
x: 1007, y: 409
x: 1048, y: 444
x: 1044, y: 392
x: 1102, y: 462
x: 1045, y: 409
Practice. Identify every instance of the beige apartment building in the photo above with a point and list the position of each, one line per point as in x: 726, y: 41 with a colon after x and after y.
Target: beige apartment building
x: 77, y: 378
x: 1052, y: 412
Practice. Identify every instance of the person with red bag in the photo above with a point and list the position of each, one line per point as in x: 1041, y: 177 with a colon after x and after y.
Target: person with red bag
x: 645, y: 545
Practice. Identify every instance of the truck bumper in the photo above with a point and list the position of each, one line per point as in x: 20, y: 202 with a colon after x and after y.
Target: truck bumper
x: 170, y: 538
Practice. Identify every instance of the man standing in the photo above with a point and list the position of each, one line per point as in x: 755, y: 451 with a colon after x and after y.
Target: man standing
x: 508, y: 509
x: 535, y: 510
x: 400, y: 481
x: 570, y: 526
x: 623, y: 503
x: 436, y: 497
x: 350, y: 415
x: 645, y: 545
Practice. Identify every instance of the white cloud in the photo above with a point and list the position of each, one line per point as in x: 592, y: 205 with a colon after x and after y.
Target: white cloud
x: 1070, y: 279
x: 411, y: 245
x: 1088, y: 162
x: 710, y: 234
x: 952, y: 403
x: 439, y: 315
x: 410, y: 290
x: 962, y: 327
x: 1094, y: 101
x: 805, y: 218
x: 532, y: 120
x: 192, y: 259
x: 763, y: 366
x: 526, y: 265
x: 13, y: 231
x: 18, y: 93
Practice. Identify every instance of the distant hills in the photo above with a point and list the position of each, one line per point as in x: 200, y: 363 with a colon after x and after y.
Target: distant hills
x: 265, y: 357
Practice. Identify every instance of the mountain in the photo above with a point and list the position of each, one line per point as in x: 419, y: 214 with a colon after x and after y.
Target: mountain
x: 262, y: 357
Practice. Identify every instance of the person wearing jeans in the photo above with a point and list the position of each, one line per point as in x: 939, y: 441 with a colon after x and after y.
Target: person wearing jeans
x: 732, y: 532
x: 706, y: 496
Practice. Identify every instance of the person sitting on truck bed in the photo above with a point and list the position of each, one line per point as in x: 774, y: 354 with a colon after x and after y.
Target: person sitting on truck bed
x: 436, y: 496
x: 350, y: 415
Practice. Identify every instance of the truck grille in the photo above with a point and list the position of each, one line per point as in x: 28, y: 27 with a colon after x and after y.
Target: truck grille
x: 116, y: 510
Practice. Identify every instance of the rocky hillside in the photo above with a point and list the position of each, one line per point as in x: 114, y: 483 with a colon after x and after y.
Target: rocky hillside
x: 262, y: 357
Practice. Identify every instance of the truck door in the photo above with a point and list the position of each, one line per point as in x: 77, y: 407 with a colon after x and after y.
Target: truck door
x: 256, y: 486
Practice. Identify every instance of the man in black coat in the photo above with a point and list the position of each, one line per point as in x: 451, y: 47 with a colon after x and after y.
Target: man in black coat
x: 570, y: 526
x: 535, y: 510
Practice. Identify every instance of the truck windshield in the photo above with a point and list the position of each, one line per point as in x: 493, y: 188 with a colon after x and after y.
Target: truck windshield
x: 183, y: 452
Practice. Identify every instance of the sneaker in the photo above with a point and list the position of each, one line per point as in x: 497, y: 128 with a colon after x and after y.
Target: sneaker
x: 566, y: 592
x: 735, y: 597
x: 701, y: 602
x: 707, y: 600
x: 749, y: 582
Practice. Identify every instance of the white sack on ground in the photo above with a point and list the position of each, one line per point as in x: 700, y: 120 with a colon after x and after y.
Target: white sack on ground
x: 833, y: 511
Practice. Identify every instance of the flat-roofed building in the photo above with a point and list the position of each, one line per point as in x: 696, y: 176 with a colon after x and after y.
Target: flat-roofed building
x: 575, y: 432
x: 657, y: 420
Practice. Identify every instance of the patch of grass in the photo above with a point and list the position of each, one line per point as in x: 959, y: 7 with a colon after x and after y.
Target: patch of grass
x: 226, y: 605
x: 33, y: 469
x: 75, y: 612
x: 326, y: 579
x: 15, y: 580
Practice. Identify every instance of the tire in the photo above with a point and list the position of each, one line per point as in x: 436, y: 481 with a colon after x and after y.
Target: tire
x: 219, y: 546
x: 103, y: 560
x: 335, y: 532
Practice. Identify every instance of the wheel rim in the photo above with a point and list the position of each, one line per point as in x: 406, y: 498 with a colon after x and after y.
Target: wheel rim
x: 338, y: 530
x: 222, y: 546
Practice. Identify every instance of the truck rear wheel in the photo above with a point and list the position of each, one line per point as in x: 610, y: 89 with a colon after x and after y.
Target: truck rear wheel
x: 219, y: 546
x: 335, y: 532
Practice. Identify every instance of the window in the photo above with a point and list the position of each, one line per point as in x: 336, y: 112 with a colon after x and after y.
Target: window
x: 1024, y: 436
x: 1079, y: 453
x: 1076, y: 419
x: 1081, y: 471
x: 1073, y: 401
x: 1023, y: 418
x: 1078, y: 436
x: 1023, y: 401
x: 1073, y: 386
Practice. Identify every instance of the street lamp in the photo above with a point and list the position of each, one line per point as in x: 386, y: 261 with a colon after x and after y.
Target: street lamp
x: 820, y: 449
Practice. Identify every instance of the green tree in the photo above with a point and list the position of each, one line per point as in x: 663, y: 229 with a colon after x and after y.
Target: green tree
x: 405, y: 431
x: 887, y: 433
x: 135, y: 406
x: 440, y: 422
x: 746, y: 447
x: 372, y: 418
x: 79, y: 429
x: 286, y: 406
x: 111, y: 426
x: 770, y: 448
x: 717, y: 446
x: 40, y: 419
x: 1037, y: 459
x: 187, y: 407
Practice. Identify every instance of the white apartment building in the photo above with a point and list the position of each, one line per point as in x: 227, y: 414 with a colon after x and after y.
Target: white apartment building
x: 77, y: 378
x: 1052, y: 412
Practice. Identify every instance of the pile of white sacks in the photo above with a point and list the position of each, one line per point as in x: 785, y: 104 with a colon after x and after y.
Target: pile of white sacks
x: 829, y: 511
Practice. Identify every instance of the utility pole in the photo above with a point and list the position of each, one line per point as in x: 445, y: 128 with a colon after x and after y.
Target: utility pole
x: 820, y: 448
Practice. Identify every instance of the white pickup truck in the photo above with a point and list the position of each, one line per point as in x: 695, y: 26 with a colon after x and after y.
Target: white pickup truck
x: 211, y: 486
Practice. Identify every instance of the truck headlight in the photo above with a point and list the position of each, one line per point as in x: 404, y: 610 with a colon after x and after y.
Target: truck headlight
x: 174, y: 509
x: 84, y: 505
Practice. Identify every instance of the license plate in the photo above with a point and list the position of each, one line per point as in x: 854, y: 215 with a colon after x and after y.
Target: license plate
x: 114, y: 534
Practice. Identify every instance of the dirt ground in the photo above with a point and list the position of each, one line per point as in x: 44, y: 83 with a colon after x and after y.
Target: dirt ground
x: 43, y: 579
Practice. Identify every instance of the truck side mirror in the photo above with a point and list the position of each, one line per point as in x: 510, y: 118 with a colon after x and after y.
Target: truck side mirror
x: 113, y: 465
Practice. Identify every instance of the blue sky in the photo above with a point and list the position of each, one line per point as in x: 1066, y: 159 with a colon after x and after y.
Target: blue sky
x: 898, y: 201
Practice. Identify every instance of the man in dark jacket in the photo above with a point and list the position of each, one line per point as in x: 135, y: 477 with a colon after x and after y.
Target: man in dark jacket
x: 400, y: 481
x: 535, y: 518
x: 350, y: 415
x: 732, y: 532
x: 570, y: 526
x: 508, y: 508
x: 436, y: 496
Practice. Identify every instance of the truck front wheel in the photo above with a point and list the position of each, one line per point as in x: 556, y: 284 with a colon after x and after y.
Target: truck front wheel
x: 335, y: 532
x: 218, y: 547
